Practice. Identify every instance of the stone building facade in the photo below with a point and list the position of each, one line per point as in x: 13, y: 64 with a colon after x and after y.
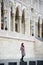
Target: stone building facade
x: 21, y: 21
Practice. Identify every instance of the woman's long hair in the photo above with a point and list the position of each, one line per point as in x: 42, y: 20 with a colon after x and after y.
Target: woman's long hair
x: 22, y: 44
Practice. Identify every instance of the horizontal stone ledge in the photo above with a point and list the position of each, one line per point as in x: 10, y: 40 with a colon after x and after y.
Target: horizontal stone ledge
x: 16, y: 36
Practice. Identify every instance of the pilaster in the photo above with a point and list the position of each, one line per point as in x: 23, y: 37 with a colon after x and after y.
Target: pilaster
x: 5, y: 18
x: 9, y: 18
x: 20, y: 25
x: 41, y: 28
x: 0, y: 16
x: 20, y: 18
x: 13, y: 18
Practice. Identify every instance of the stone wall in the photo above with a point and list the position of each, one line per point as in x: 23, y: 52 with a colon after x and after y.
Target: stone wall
x: 38, y: 48
x: 10, y: 46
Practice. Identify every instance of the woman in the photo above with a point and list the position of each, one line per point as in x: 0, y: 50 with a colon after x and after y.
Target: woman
x: 22, y: 50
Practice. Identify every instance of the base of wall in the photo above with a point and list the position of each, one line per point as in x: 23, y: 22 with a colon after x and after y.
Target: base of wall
x: 18, y: 62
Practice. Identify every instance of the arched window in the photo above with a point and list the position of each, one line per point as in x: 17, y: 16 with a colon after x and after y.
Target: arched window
x: 23, y: 21
x: 17, y: 23
x: 17, y: 14
x: 39, y: 27
x: 42, y: 28
x: 11, y: 24
x: 2, y: 15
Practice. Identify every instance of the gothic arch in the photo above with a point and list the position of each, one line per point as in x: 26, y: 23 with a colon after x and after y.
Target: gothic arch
x: 17, y: 22
x: 23, y: 21
x: 17, y: 14
x: 23, y: 16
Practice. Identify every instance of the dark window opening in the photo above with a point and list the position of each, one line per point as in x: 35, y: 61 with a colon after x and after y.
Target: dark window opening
x: 17, y: 23
x: 39, y: 27
x: 12, y: 63
x: 17, y: 14
x: 32, y: 10
x: 2, y: 26
x: 23, y: 63
x: 1, y: 63
x: 32, y: 34
x: 23, y: 22
x: 6, y: 28
x: 2, y: 15
x: 16, y: 27
x: 39, y: 62
x: 42, y: 29
x: 32, y: 63
x: 23, y: 17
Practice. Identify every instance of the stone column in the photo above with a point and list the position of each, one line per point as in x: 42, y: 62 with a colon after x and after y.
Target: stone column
x: 0, y: 16
x: 27, y: 26
x: 36, y: 27
x: 13, y: 18
x: 31, y: 2
x: 20, y: 18
x: 11, y: 23
x: 41, y: 28
x: 5, y: 17
x: 9, y: 18
x: 20, y: 25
